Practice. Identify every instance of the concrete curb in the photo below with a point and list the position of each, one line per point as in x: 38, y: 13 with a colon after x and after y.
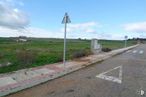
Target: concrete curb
x: 23, y: 80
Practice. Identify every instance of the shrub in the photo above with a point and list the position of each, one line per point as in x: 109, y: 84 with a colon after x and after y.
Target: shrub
x: 4, y: 64
x: 1, y: 55
x: 106, y: 49
x: 26, y: 57
x: 48, y: 58
x: 80, y: 53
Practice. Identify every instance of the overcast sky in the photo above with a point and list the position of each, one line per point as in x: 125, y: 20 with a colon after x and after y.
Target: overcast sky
x: 102, y: 19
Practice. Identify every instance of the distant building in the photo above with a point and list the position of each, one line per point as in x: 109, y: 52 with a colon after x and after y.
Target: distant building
x: 21, y: 39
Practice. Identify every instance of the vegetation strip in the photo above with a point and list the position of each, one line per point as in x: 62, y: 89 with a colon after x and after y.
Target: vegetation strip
x: 15, y: 55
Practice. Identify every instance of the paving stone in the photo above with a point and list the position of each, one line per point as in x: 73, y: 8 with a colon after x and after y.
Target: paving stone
x: 6, y: 81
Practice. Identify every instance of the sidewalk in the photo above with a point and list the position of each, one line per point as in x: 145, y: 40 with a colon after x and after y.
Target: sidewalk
x: 22, y: 79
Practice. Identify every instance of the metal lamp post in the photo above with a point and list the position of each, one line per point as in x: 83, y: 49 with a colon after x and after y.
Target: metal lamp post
x: 65, y: 21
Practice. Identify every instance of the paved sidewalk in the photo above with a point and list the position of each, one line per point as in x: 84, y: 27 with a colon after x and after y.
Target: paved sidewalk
x: 22, y: 79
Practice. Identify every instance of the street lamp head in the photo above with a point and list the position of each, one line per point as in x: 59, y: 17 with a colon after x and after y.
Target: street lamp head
x: 66, y: 19
x: 126, y: 37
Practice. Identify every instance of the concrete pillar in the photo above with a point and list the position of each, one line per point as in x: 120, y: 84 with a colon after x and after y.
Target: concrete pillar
x: 95, y: 46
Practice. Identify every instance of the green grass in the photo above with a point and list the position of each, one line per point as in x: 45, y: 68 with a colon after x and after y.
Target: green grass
x: 114, y: 44
x: 43, y: 51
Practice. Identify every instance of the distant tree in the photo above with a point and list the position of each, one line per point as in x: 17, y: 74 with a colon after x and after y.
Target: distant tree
x: 79, y: 39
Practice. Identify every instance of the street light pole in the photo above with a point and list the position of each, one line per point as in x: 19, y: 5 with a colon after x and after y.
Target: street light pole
x: 65, y: 20
x: 126, y: 37
x: 64, y: 54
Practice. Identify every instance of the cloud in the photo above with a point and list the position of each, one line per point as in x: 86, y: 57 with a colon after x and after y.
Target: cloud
x: 87, y: 30
x: 135, y: 27
x: 83, y: 27
x: 38, y: 32
x: 29, y: 32
x: 74, y: 31
x: 12, y: 17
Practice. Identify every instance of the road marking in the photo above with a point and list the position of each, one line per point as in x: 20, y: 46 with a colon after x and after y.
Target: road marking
x: 135, y: 51
x: 141, y: 52
x: 111, y: 78
x: 141, y: 92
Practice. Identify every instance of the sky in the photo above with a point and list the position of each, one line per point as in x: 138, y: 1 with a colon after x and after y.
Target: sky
x: 101, y: 19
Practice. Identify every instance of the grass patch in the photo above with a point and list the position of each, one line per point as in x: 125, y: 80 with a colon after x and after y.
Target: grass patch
x: 42, y: 51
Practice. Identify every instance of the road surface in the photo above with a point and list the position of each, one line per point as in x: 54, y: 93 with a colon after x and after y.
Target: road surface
x: 123, y: 75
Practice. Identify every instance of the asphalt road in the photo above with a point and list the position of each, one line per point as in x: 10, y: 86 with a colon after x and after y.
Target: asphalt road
x: 123, y: 75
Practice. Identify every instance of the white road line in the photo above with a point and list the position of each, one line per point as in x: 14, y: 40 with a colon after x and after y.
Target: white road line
x: 111, y: 78
x: 141, y: 92
x: 135, y: 51
x: 141, y: 52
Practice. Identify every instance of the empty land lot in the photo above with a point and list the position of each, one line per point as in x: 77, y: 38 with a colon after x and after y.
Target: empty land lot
x: 41, y: 51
